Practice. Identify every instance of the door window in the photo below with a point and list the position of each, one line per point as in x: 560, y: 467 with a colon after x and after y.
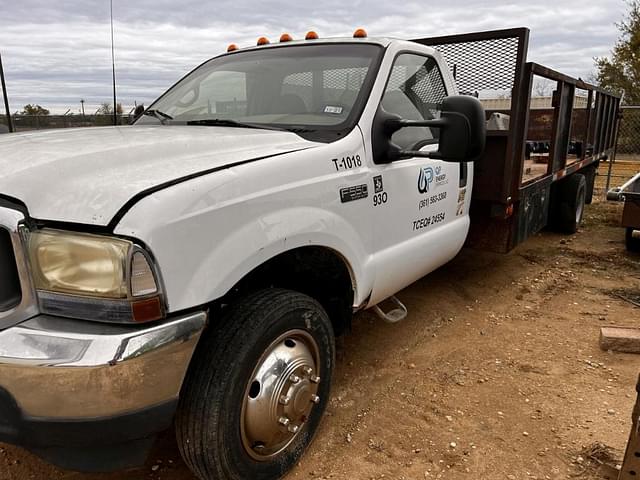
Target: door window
x: 415, y: 91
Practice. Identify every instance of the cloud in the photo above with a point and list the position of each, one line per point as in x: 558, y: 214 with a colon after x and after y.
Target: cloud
x: 56, y: 53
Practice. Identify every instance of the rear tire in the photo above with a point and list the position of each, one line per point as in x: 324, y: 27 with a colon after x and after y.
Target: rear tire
x: 567, y: 203
x: 590, y: 177
x: 633, y: 244
x: 272, y: 344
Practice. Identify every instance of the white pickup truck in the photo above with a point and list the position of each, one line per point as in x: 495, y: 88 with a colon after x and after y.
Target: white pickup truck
x: 194, y: 268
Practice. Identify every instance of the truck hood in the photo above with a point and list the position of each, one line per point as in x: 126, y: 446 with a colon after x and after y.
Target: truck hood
x: 86, y: 175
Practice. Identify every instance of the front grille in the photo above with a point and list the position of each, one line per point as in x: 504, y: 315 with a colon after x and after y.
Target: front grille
x: 10, y: 291
x: 17, y: 296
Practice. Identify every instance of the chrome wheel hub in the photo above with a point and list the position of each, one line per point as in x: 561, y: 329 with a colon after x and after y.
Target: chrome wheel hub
x: 280, y: 395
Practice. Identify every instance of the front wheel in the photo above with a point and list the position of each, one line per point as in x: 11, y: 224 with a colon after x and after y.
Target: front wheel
x: 257, y: 388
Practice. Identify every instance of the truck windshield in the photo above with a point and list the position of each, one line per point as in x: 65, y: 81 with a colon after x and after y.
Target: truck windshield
x: 317, y: 91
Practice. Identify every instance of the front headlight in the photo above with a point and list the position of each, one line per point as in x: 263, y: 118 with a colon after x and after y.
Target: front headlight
x: 93, y: 276
x: 79, y: 264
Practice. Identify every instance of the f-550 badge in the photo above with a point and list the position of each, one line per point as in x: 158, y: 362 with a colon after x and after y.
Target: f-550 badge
x: 355, y: 192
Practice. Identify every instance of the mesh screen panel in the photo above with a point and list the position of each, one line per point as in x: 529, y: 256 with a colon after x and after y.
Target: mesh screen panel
x: 426, y: 83
x: 342, y: 79
x: 339, y: 87
x: 482, y: 64
x: 429, y: 86
x: 345, y: 78
x: 397, y: 78
x: 303, y: 79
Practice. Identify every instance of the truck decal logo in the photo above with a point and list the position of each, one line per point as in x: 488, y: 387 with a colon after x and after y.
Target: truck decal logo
x: 441, y: 178
x: 377, y: 184
x: 425, y: 178
x: 355, y: 192
x: 380, y: 197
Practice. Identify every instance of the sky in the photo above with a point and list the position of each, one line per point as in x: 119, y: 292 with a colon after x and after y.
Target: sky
x: 56, y: 52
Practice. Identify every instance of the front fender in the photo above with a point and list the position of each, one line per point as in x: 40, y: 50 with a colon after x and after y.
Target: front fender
x: 208, y: 233
x: 272, y: 235
x: 206, y: 271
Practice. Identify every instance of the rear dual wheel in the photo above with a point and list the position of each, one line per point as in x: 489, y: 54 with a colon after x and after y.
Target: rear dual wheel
x: 632, y: 241
x: 590, y: 177
x: 568, y: 198
x: 257, y: 388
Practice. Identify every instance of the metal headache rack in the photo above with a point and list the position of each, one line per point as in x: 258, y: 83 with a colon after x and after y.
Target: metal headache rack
x: 512, y: 182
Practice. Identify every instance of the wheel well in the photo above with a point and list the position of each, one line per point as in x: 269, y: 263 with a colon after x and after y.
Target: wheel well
x: 318, y: 272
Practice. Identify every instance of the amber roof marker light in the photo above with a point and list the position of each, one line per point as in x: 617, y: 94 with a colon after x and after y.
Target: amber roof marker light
x: 263, y: 41
x: 232, y: 48
x: 311, y: 35
x: 285, y: 37
x: 360, y: 33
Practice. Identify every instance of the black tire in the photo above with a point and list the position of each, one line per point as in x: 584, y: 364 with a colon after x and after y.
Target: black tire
x: 567, y: 203
x: 209, y: 421
x: 633, y: 244
x: 590, y: 177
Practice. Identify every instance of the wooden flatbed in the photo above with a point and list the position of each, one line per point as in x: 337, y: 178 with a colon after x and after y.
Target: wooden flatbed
x: 512, y: 188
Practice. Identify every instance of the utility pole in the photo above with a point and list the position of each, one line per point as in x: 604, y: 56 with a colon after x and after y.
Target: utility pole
x: 6, y: 98
x: 113, y: 70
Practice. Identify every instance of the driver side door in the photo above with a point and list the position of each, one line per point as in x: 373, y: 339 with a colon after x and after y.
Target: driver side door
x: 415, y: 200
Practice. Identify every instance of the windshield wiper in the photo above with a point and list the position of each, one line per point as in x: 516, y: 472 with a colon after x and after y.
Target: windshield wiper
x: 224, y: 122
x: 163, y: 117
x: 299, y: 129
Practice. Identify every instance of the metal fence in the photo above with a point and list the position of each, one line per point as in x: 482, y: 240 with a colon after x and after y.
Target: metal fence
x: 23, y: 123
x: 629, y: 133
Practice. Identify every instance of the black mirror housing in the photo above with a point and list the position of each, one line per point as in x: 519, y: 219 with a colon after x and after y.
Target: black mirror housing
x: 462, y: 128
x: 384, y: 150
x: 464, y: 135
x: 136, y: 114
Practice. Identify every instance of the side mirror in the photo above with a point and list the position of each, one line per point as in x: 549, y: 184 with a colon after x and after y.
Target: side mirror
x: 136, y: 113
x: 462, y: 126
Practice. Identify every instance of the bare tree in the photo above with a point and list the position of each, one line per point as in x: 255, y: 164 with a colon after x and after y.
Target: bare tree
x: 542, y: 87
x: 35, y: 110
x: 621, y: 72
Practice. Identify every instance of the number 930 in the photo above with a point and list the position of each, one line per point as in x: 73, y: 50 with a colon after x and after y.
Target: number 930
x: 379, y: 199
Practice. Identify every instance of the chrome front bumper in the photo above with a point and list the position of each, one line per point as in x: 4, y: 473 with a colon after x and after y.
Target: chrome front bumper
x: 69, y: 370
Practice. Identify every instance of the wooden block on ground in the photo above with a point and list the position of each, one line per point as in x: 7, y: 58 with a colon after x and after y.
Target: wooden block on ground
x: 620, y: 339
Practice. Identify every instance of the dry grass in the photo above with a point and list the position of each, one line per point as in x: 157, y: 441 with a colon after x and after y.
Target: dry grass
x: 597, y: 460
x: 600, y: 453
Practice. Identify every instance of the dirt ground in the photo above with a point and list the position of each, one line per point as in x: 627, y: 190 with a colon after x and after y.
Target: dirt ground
x: 495, y: 374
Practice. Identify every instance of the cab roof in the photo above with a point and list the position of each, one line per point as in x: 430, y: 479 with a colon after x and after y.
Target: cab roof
x: 382, y: 41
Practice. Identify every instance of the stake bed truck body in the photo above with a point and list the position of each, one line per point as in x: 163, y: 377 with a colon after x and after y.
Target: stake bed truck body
x: 194, y: 268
